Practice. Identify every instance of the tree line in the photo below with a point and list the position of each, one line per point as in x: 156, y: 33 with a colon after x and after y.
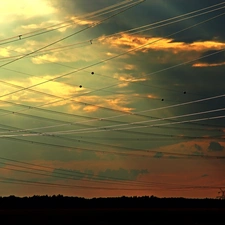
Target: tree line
x: 60, y: 201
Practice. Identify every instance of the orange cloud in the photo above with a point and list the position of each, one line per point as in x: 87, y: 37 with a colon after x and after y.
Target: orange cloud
x: 208, y: 64
x: 159, y: 43
x: 90, y: 108
x: 129, y: 67
x: 127, y: 78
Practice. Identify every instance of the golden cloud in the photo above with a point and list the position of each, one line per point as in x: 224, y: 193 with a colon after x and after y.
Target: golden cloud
x: 90, y: 108
x: 151, y: 96
x: 159, y: 43
x: 53, y: 88
x: 128, y: 78
x: 129, y: 67
x: 208, y: 64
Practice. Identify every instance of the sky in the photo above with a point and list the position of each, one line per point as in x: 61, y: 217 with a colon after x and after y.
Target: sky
x: 112, y: 98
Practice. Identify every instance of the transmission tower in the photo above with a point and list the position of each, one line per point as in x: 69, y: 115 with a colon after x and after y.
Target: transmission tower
x: 222, y: 196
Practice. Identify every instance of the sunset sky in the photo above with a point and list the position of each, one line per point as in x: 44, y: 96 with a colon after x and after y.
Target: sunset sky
x: 112, y: 98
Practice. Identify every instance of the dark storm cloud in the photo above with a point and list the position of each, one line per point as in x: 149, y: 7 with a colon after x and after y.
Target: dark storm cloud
x: 108, y: 174
x: 163, y: 9
x: 73, y: 174
x: 74, y: 8
x: 153, y: 11
x: 173, y: 157
x: 215, y: 146
x: 158, y: 155
x: 66, y: 155
x: 205, y: 175
x: 216, y: 56
x: 198, y: 147
x: 122, y: 174
x: 198, y: 153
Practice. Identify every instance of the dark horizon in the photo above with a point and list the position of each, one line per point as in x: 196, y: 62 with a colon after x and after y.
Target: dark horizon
x: 55, y: 201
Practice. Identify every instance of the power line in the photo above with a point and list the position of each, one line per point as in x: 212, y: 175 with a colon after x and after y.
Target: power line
x: 73, y: 175
x: 77, y: 32
x: 139, y: 29
x: 139, y: 122
x: 89, y: 66
x: 68, y: 22
x: 126, y: 52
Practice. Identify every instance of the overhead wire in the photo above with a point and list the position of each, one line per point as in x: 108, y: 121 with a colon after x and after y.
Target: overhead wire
x: 74, y: 33
x: 194, y: 25
x: 136, y: 30
x: 137, y: 152
x: 138, y: 113
x: 109, y: 127
x: 99, y: 178
x: 36, y: 85
x: 126, y: 52
x: 64, y: 24
x: 221, y: 117
x: 73, y: 175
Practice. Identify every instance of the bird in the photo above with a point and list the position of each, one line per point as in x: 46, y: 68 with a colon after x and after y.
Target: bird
x: 20, y: 36
x: 91, y: 41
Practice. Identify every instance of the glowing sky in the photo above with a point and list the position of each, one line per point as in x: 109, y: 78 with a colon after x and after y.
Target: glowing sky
x: 111, y: 98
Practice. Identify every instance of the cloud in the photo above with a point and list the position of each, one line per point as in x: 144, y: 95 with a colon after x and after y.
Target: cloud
x: 198, y: 147
x: 208, y: 64
x: 68, y: 155
x: 204, y: 175
x: 81, y: 21
x: 72, y: 8
x: 51, y: 89
x: 24, y: 8
x: 160, y: 43
x: 158, y: 155
x: 198, y: 153
x: 108, y: 174
x: 217, y: 58
x: 2, y: 164
x: 73, y: 174
x: 4, y: 52
x: 128, y: 78
x: 45, y: 25
x: 123, y: 174
x: 215, y: 146
x: 95, y: 102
